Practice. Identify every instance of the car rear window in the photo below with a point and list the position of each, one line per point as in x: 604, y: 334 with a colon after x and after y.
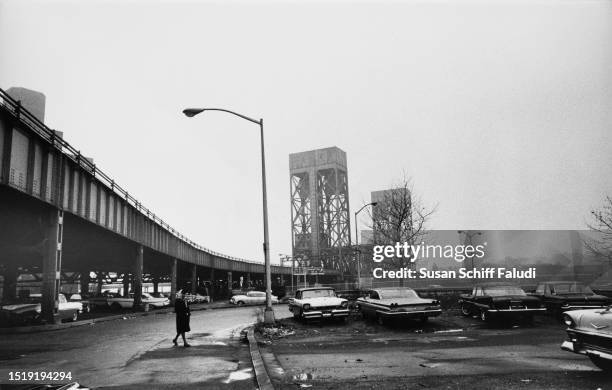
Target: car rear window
x: 318, y: 293
x: 498, y: 291
x: 397, y: 293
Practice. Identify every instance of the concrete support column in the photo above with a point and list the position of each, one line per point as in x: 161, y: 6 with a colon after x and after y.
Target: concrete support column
x: 212, y: 284
x: 99, y: 282
x: 173, y: 275
x: 9, y: 290
x: 282, y: 279
x: 84, y: 279
x: 155, y: 285
x: 52, y: 266
x: 194, y: 278
x: 138, y: 266
x: 126, y: 284
x: 229, y: 282
x: 248, y: 280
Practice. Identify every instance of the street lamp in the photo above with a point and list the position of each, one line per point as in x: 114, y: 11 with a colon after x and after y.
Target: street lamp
x: 469, y: 235
x: 357, y: 242
x: 268, y: 313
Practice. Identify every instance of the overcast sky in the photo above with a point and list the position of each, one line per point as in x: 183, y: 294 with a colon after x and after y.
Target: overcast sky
x: 501, y: 113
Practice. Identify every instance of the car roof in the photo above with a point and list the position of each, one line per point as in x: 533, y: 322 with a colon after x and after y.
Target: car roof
x: 392, y: 288
x: 315, y: 288
x: 496, y: 284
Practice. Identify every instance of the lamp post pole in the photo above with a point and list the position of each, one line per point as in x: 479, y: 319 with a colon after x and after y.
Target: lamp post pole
x: 357, y: 242
x: 268, y: 313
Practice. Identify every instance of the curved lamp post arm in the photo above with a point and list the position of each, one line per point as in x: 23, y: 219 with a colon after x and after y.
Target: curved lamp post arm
x: 190, y: 112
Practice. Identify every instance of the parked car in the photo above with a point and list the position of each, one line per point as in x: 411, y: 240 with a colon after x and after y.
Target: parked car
x: 128, y: 302
x: 83, y: 300
x: 251, y: 298
x: 196, y: 298
x: 496, y: 300
x: 318, y: 302
x: 26, y: 311
x: 561, y: 296
x: 590, y: 333
x: 397, y: 302
x: 101, y: 301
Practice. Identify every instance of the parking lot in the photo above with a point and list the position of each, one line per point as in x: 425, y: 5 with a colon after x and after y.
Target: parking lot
x: 450, y: 351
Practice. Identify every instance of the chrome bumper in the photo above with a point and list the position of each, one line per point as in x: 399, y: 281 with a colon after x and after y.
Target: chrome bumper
x: 570, y: 346
x: 409, y: 314
x: 516, y: 310
x: 319, y: 314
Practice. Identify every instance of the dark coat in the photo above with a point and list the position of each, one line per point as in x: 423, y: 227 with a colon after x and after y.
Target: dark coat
x: 181, y: 308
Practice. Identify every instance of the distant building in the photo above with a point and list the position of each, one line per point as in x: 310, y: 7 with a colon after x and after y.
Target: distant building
x: 367, y: 237
x: 320, y: 224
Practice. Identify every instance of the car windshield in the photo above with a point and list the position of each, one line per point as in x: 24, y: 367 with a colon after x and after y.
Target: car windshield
x: 318, y: 293
x: 498, y: 291
x: 397, y: 293
x: 571, y: 287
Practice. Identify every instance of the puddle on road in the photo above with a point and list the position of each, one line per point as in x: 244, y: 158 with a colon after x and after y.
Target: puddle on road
x: 576, y: 367
x: 240, y: 375
x: 449, y: 331
x: 302, y: 377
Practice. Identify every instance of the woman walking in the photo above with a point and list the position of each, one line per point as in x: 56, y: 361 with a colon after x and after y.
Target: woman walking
x: 181, y: 308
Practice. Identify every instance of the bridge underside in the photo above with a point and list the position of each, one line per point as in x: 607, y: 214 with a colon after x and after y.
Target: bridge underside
x: 92, y: 256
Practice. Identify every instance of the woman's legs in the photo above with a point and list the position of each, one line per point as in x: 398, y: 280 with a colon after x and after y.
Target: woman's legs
x: 184, y: 340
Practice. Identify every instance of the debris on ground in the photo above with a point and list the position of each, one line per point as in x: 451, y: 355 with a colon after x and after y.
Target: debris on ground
x: 275, y: 332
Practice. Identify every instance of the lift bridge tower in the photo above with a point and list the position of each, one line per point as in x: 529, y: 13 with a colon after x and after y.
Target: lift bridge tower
x: 320, y: 220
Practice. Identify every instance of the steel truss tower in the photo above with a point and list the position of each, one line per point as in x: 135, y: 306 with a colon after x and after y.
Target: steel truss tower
x: 320, y: 221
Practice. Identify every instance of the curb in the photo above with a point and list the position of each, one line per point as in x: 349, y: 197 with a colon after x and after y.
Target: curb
x: 68, y: 325
x: 263, y: 379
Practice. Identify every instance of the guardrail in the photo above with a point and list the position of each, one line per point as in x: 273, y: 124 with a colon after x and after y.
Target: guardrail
x: 49, y: 135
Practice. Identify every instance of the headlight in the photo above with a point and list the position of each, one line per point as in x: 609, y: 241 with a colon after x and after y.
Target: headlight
x: 306, y: 307
x: 569, y: 321
x: 344, y: 305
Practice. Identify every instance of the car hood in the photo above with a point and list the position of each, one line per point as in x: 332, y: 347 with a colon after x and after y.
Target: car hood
x: 22, y: 307
x: 592, y: 320
x: 323, y: 301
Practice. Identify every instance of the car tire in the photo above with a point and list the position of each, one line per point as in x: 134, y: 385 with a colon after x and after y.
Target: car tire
x: 75, y: 316
x: 240, y: 303
x: 380, y: 319
x: 115, y: 306
x: 465, y: 310
x: 604, y: 364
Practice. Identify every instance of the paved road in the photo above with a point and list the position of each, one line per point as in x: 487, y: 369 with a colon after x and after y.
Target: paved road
x: 450, y: 353
x: 138, y: 352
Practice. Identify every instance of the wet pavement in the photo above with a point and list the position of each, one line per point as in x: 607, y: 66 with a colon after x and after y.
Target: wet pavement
x: 449, y: 352
x: 138, y: 353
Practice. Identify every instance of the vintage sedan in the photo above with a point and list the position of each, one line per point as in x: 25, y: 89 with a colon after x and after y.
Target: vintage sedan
x: 128, y: 302
x: 318, y: 303
x: 27, y: 311
x: 561, y: 296
x: 251, y: 298
x: 590, y: 333
x: 397, y: 302
x: 496, y: 300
